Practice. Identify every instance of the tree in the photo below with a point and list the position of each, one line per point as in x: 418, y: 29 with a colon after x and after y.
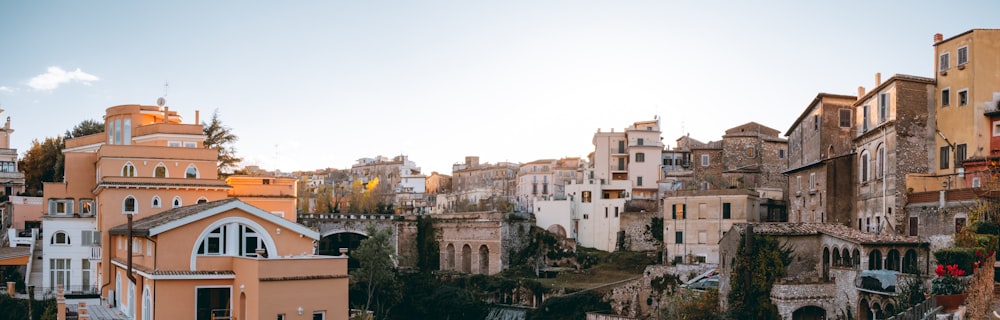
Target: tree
x: 428, y: 248
x: 221, y: 138
x: 754, y: 272
x: 85, y: 128
x: 690, y: 305
x: 43, y: 162
x: 376, y: 277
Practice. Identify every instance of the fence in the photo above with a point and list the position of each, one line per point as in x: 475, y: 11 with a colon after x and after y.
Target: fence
x: 922, y: 311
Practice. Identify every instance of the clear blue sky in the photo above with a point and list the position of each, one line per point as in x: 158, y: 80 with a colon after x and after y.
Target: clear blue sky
x: 308, y: 85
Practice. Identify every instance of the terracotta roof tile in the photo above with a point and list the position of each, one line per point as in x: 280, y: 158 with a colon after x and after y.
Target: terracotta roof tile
x: 833, y: 230
x: 141, y: 227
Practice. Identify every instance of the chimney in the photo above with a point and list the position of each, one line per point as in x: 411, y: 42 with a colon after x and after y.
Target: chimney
x: 166, y: 114
x: 938, y: 38
x: 878, y: 79
x: 861, y: 92
x: 197, y: 117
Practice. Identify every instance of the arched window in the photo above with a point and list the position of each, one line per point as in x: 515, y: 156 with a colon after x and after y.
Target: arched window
x: 826, y: 263
x: 202, y: 200
x: 128, y: 206
x: 450, y: 257
x: 60, y: 238
x: 847, y: 258
x: 147, y: 304
x: 156, y: 202
x: 836, y: 257
x: 191, y: 172
x: 160, y: 171
x: 466, y: 259
x: 215, y: 242
x: 128, y: 170
x: 910, y: 262
x: 118, y: 289
x: 177, y: 203
x: 875, y: 260
x: 856, y: 258
x: 892, y: 260
x: 879, y: 162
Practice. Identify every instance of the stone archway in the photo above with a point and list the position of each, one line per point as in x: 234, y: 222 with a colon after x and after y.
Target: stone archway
x: 809, y: 313
x: 467, y: 258
x: 330, y: 245
x: 484, y: 259
x: 449, y: 257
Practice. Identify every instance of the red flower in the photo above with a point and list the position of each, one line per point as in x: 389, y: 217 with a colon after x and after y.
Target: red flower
x: 939, y: 270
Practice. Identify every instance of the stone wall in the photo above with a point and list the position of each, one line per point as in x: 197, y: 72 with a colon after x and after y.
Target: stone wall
x: 981, y: 292
x: 637, y: 238
x: 636, y: 298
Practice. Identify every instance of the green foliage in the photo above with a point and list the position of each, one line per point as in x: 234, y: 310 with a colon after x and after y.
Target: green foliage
x: 85, y: 128
x: 665, y: 283
x: 634, y: 262
x: 376, y: 278
x: 588, y: 257
x: 17, y: 309
x: 426, y: 297
x: 428, y: 249
x: 570, y: 307
x: 43, y: 162
x: 655, y: 228
x: 221, y: 138
x: 986, y: 227
x: 963, y: 257
x: 754, y: 272
x: 911, y: 292
x: 691, y: 305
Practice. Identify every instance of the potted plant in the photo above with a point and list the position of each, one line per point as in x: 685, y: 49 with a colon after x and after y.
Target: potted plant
x: 948, y: 288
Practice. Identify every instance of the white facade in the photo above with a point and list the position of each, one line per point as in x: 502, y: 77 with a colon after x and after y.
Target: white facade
x: 70, y: 253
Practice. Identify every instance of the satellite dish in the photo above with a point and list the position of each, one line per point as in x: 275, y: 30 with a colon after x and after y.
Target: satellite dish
x: 161, y: 101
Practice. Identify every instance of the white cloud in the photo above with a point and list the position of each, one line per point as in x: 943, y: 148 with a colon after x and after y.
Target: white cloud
x: 56, y: 76
x: 4, y: 89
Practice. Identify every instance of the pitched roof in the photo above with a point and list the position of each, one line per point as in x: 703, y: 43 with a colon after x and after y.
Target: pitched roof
x: 173, y: 218
x: 830, y: 229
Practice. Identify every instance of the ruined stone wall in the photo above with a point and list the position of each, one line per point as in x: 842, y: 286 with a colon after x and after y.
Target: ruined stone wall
x: 981, y: 291
x: 637, y: 238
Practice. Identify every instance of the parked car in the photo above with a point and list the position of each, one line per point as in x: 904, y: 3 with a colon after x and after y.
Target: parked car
x: 705, y: 284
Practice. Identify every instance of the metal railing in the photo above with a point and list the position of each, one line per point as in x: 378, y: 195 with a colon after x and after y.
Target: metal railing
x: 925, y: 310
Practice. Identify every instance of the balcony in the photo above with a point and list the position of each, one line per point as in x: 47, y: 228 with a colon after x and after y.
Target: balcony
x: 95, y: 253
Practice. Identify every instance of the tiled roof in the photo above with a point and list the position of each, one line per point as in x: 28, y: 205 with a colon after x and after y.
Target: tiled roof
x: 141, y: 227
x: 14, y: 252
x: 833, y: 230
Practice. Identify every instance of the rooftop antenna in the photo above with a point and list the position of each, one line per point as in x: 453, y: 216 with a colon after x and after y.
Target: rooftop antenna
x: 162, y: 100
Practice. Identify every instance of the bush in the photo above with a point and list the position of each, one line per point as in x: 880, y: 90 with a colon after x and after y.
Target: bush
x: 963, y: 257
x: 986, y: 227
x: 634, y: 262
x: 568, y: 307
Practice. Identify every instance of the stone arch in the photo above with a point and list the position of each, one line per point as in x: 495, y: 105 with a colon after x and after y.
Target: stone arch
x: 877, y: 310
x: 892, y: 260
x: 890, y: 310
x: 846, y: 255
x: 875, y: 259
x: 836, y: 261
x: 449, y: 257
x: 910, y: 262
x: 558, y: 230
x: 484, y: 259
x: 826, y: 263
x: 330, y: 245
x: 809, y: 312
x: 864, y: 310
x: 466, y: 258
x: 856, y: 258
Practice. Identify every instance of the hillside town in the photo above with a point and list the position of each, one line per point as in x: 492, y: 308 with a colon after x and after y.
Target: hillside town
x: 873, y: 204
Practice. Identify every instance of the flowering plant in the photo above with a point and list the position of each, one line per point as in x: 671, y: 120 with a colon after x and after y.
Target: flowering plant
x: 947, y: 281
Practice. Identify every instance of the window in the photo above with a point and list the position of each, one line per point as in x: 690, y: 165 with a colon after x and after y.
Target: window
x: 86, y: 207
x: 128, y: 170
x: 727, y: 210
x: 190, y: 144
x: 781, y: 153
x: 943, y: 61
x: 60, y: 238
x: 639, y: 141
x: 963, y: 97
x: 678, y: 210
x: 702, y: 237
x: 864, y: 119
x: 191, y: 172
x: 214, y: 243
x: 319, y: 315
x: 137, y: 245
x: 202, y: 200
x: 943, y: 157
x: 60, y: 206
x: 616, y: 212
x: 118, y: 131
x: 880, y: 162
x: 864, y: 166
x: 945, y: 97
x: 85, y: 272
x: 704, y: 160
x: 959, y: 224
x: 976, y: 182
x: 750, y: 152
x: 638, y: 181
x: 127, y: 131
x: 812, y: 182
x: 128, y: 206
x: 621, y: 146
x: 883, y: 107
x: 586, y: 216
x: 585, y: 196
x: 605, y: 212
x: 963, y: 55
x: 815, y: 122
x: 640, y: 157
x: 798, y: 184
x: 90, y: 238
x: 281, y: 316
x: 8, y: 166
x: 250, y: 242
x: 704, y: 185
x: 960, y: 154
x: 177, y: 203
x: 679, y: 237
x: 845, y: 118
x: 160, y: 171
x: 156, y: 202
x: 914, y: 224
x: 174, y: 144
x: 996, y: 128
x: 59, y: 273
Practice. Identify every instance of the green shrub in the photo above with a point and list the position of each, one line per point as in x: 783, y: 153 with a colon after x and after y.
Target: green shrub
x: 986, y: 227
x: 963, y: 257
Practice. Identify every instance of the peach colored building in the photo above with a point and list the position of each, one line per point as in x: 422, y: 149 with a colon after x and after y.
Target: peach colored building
x: 150, y: 165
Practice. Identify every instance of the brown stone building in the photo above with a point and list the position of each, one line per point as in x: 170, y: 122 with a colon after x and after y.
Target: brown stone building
x: 820, y: 188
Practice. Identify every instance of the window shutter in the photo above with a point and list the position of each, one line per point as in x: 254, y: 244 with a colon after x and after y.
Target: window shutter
x: 87, y: 237
x: 673, y: 208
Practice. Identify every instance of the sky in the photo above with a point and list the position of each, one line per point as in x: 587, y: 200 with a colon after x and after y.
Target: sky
x: 309, y: 85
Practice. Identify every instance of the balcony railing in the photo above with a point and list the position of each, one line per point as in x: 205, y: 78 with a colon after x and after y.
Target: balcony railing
x: 926, y: 310
x: 95, y: 253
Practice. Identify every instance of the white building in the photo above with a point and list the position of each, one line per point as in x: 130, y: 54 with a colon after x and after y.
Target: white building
x: 71, y: 247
